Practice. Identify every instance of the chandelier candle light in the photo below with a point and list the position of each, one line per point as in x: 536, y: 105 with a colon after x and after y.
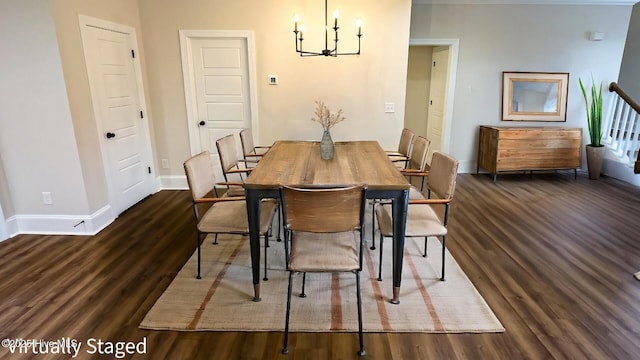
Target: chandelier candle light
x: 298, y: 28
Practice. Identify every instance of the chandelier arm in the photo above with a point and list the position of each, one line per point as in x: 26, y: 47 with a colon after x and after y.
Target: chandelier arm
x: 325, y: 51
x: 351, y: 53
x: 310, y: 53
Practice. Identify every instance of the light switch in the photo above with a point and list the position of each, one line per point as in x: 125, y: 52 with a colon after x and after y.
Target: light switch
x: 389, y: 107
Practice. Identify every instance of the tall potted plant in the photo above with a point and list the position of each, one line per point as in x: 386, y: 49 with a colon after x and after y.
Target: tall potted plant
x: 595, y: 150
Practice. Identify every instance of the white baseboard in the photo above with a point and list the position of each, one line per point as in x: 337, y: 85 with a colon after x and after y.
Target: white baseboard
x: 173, y: 182
x: 60, y: 224
x: 76, y: 224
x: 620, y: 171
x: 466, y: 167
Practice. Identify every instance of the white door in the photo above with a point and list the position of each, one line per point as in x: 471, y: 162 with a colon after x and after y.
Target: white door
x: 437, y: 98
x: 218, y: 81
x: 110, y: 55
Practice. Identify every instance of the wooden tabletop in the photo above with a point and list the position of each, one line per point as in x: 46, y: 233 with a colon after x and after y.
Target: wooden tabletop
x: 299, y: 163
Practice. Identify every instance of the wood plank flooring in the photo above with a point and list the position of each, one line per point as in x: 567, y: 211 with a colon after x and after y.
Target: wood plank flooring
x: 554, y: 257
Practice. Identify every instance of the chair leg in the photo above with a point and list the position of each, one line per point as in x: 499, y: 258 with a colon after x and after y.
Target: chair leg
x: 444, y: 248
x: 425, y: 246
x: 304, y: 282
x: 359, y: 294
x: 279, y: 239
x: 266, y: 245
x: 285, y: 349
x: 380, y: 262
x: 215, y: 239
x: 373, y: 225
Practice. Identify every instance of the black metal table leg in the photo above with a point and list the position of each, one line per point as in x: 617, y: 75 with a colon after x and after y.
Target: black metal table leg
x: 399, y: 207
x: 253, y: 215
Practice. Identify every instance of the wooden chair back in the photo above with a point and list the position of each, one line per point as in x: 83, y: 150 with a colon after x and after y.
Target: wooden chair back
x: 200, y: 175
x: 323, y: 210
x: 246, y: 140
x: 442, y: 176
x: 406, y: 141
x: 418, y: 159
x: 227, y: 152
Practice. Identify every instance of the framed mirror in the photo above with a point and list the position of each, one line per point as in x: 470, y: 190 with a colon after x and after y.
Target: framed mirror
x: 534, y: 96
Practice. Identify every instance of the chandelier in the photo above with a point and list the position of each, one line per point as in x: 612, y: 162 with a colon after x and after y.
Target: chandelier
x: 298, y: 28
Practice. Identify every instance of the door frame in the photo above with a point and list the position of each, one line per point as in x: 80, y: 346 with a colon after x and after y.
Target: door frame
x: 145, y: 134
x: 454, y: 45
x: 186, y: 37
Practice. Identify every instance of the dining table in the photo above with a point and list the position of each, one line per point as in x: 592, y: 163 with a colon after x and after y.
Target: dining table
x: 354, y: 163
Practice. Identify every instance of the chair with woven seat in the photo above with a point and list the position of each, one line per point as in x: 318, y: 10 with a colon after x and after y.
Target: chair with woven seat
x: 251, y: 152
x: 323, y: 233
x: 402, y: 155
x: 417, y: 166
x: 230, y: 164
x: 422, y: 218
x: 225, y: 215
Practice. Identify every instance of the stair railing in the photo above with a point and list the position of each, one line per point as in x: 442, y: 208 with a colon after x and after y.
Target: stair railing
x: 622, y: 127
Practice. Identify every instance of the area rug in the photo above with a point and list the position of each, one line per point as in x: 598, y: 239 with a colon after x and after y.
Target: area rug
x: 221, y: 300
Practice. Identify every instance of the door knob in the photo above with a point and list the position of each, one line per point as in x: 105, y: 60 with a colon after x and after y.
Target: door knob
x: 202, y: 123
x: 110, y: 135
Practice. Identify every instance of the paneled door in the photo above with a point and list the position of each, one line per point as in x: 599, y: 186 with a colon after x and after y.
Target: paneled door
x: 110, y: 55
x: 218, y: 82
x: 437, y: 98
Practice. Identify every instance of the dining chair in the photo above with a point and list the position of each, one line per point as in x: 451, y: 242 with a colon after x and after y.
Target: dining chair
x: 422, y: 218
x: 405, y: 146
x: 230, y: 164
x: 225, y: 215
x: 417, y: 167
x: 251, y: 152
x: 323, y: 233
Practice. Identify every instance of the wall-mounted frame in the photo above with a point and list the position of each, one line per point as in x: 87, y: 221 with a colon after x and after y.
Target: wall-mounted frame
x: 534, y: 96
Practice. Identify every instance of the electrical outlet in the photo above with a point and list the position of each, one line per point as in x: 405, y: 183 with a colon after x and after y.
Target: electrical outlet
x: 273, y: 79
x: 165, y: 163
x: 46, y: 198
x: 389, y: 107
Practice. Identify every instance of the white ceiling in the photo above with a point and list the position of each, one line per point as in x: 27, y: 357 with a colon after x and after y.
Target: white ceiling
x: 529, y: 2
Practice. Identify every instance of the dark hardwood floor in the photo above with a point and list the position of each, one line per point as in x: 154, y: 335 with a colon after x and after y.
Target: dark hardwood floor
x: 554, y: 257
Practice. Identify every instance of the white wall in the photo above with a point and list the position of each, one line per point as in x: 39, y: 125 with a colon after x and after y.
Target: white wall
x: 37, y: 141
x: 629, y: 79
x: 496, y: 38
x: 360, y: 85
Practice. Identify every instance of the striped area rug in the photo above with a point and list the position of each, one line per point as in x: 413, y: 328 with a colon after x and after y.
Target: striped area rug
x: 221, y: 300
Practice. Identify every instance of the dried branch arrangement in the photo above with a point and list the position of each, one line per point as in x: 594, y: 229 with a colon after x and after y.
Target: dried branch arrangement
x: 324, y: 117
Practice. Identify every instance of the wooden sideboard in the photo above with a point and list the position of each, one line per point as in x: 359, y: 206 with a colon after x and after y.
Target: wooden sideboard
x: 511, y: 148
